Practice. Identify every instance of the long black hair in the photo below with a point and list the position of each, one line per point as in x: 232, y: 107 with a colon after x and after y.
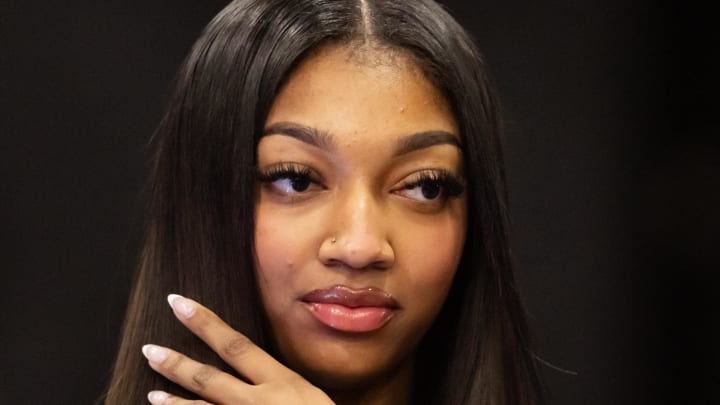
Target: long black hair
x: 199, y: 229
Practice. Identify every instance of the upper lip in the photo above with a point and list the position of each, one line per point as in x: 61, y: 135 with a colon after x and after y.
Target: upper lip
x: 351, y: 297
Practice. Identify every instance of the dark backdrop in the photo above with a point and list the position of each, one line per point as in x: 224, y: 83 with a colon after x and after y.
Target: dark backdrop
x: 613, y: 164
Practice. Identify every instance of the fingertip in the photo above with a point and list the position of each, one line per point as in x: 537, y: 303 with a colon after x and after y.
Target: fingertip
x: 172, y: 297
x: 157, y: 397
x: 181, y: 305
x: 155, y: 354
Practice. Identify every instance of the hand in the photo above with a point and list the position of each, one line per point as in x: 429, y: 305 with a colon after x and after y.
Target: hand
x: 270, y: 381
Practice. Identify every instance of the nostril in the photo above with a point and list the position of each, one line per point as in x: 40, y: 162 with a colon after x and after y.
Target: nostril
x: 357, y: 250
x: 333, y: 263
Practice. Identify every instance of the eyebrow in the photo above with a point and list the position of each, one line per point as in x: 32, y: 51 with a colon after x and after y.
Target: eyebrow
x: 302, y: 133
x: 324, y: 140
x: 425, y: 139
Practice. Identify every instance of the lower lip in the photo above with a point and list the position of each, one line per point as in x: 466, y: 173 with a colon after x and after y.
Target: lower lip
x: 346, y: 319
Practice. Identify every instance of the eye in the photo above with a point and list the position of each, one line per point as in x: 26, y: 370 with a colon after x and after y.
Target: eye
x: 289, y: 178
x: 432, y: 185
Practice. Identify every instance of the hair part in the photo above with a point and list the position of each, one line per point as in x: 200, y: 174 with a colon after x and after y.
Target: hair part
x: 201, y: 193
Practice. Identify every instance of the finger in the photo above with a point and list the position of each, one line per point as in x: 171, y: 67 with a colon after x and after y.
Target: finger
x: 163, y: 398
x: 233, y: 347
x: 207, y: 381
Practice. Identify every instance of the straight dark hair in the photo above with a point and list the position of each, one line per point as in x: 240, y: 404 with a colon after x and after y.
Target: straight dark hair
x: 201, y: 192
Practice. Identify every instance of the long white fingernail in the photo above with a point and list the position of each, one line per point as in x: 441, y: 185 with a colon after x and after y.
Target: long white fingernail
x: 182, y: 305
x: 157, y: 397
x: 155, y: 354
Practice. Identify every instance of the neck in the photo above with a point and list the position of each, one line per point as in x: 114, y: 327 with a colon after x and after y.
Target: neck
x: 394, y: 389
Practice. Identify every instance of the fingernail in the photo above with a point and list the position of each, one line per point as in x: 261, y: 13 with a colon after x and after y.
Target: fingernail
x: 182, y: 305
x: 157, y: 397
x: 155, y: 354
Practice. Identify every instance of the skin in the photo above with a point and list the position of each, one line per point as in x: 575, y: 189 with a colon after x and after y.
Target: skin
x: 355, y: 224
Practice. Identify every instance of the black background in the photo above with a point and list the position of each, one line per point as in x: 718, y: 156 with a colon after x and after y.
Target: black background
x: 612, y: 156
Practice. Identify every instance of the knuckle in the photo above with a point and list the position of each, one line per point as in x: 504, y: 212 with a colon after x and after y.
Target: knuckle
x: 202, y: 376
x: 237, y: 345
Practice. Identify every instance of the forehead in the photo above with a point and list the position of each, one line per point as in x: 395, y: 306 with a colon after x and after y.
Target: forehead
x: 345, y: 91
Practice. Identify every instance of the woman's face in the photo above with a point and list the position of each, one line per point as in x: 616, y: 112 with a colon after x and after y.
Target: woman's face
x: 361, y: 214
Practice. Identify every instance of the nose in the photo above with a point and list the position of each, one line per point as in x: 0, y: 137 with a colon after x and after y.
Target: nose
x: 358, y: 235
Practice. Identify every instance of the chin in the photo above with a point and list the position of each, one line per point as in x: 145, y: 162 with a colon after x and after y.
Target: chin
x: 348, y: 378
x: 342, y: 369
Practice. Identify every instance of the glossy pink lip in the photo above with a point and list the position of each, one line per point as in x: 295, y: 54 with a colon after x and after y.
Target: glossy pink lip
x: 351, y: 310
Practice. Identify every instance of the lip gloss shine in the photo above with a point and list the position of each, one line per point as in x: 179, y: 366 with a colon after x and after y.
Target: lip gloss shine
x: 351, y: 310
x: 346, y: 319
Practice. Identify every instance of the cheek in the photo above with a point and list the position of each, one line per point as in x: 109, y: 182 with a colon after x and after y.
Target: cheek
x: 278, y: 253
x: 431, y: 257
x: 436, y: 258
x: 286, y: 248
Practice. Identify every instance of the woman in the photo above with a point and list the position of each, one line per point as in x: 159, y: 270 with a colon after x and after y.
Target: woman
x: 328, y: 180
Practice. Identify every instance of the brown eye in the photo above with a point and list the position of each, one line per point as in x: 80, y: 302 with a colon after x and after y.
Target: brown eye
x: 428, y: 190
x: 290, y: 178
x: 431, y: 190
x: 431, y: 185
x: 293, y: 183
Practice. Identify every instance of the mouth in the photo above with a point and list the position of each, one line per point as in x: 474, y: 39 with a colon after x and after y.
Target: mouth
x: 351, y: 310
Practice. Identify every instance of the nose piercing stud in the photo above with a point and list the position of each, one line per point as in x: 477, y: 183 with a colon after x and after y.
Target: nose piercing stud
x: 333, y: 240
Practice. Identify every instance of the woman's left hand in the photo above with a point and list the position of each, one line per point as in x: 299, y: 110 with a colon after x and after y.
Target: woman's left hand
x: 270, y: 382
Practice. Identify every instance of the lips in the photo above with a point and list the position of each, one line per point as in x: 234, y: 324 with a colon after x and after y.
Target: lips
x: 351, y: 310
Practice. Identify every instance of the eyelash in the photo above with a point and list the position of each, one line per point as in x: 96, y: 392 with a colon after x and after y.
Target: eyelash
x: 443, y: 182
x: 291, y: 171
x: 449, y: 185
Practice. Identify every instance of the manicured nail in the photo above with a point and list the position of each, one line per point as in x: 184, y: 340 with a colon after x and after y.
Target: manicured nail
x: 157, y: 397
x: 182, y: 305
x: 155, y: 354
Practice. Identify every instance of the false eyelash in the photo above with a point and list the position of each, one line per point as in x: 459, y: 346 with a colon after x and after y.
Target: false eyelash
x: 284, y: 171
x: 452, y: 185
